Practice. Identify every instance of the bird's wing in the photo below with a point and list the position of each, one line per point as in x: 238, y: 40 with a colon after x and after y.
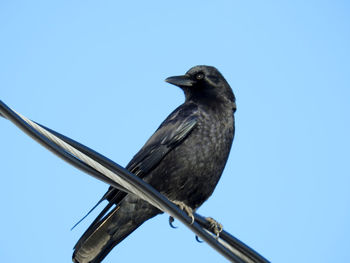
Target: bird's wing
x: 170, y: 133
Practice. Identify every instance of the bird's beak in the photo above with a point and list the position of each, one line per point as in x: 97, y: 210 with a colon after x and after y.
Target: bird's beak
x: 181, y: 81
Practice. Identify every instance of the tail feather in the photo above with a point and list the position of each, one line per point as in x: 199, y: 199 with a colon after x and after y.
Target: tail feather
x: 114, y: 196
x: 102, y: 215
x: 88, y: 213
x: 105, y: 234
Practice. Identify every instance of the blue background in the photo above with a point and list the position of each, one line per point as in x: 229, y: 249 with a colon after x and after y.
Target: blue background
x: 94, y: 71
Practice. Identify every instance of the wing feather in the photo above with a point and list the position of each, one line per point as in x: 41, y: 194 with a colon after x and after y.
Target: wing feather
x: 170, y: 133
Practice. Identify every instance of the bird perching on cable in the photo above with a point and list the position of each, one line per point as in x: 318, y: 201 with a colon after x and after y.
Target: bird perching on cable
x: 183, y: 160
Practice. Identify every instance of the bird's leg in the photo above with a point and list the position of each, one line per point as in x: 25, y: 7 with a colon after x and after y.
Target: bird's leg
x: 215, y: 226
x: 188, y: 210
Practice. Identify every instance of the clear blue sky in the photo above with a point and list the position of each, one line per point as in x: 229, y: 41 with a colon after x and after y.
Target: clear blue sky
x: 95, y: 70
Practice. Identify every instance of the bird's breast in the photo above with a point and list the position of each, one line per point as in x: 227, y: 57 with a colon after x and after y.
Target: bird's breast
x: 190, y: 172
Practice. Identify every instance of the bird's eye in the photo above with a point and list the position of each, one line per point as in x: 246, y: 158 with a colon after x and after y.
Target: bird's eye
x: 199, y: 76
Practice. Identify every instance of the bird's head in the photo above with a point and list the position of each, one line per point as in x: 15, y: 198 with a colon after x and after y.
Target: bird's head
x: 203, y: 83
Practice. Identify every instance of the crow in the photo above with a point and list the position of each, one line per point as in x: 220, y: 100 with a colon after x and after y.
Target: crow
x: 183, y: 160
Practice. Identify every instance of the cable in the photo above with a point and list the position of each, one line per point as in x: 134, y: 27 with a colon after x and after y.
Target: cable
x: 113, y: 174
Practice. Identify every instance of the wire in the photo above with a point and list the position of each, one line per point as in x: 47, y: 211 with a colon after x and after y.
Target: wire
x: 113, y: 174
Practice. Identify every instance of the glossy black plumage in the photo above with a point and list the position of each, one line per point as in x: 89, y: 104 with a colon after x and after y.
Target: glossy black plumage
x: 183, y: 159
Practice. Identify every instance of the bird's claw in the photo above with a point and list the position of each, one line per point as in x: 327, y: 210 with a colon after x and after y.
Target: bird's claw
x: 198, y: 240
x: 171, y: 221
x: 215, y: 226
x: 188, y: 210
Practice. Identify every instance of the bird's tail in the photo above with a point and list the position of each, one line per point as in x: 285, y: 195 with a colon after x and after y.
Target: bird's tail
x: 102, y: 236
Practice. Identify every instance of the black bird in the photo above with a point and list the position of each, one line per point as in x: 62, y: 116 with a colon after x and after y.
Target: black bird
x: 183, y: 160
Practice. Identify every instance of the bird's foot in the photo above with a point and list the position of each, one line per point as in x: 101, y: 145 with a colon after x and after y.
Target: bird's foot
x: 215, y: 226
x: 188, y: 210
